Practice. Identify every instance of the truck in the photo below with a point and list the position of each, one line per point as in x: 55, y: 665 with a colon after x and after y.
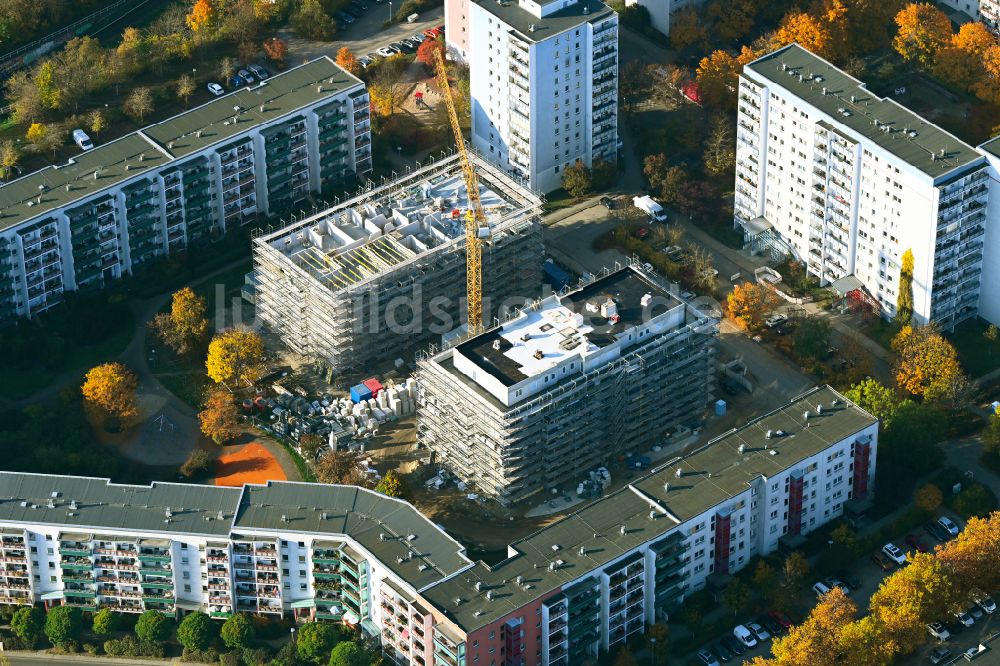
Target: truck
x: 649, y: 205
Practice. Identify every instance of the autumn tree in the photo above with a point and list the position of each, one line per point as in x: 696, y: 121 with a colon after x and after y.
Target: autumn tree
x: 904, y: 302
x: 235, y: 356
x: 577, y: 180
x: 700, y: 268
x: 185, y: 88
x: 923, y: 30
x: 987, y: 88
x: 276, y: 50
x: 807, y: 31
x: 736, y: 596
x: 392, y: 485
x: 991, y: 436
x: 219, y: 418
x: 342, y: 467
x: 764, y: 578
x: 748, y: 304
x: 910, y: 598
x: 927, y: 365
x: 198, y: 464
x: 878, y: 400
x: 634, y: 83
x: 347, y: 60
x: 625, y: 657
x: 227, y: 70
x: 98, y: 123
x: 720, y: 149
x: 36, y: 134
x: 187, y: 322
x: 139, y: 103
x: 110, y: 388
x: 687, y: 29
x: 428, y: 51
x: 733, y: 20
x: 717, y: 75
x: 311, y: 21
x: 814, y: 641
x: 48, y: 90
x: 53, y: 137
x: 928, y: 498
x: 311, y: 446
x: 10, y: 155
x: 201, y: 18
x: 658, y: 635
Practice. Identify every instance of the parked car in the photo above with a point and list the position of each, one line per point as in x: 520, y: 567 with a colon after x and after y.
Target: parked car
x: 914, y: 541
x: 216, y: 89
x: 246, y: 76
x: 882, y: 562
x: 852, y: 581
x: 361, y: 6
x: 386, y: 52
x: 395, y: 47
x: 894, y: 553
x: 948, y: 525
x: 985, y: 602
x: 954, y: 627
x: 820, y: 589
x: 431, y: 34
x: 258, y: 71
x: 642, y: 233
x: 836, y: 582
x: 964, y: 618
x: 81, y: 139
x: 939, y: 654
x: 724, y: 653
x: 938, y: 631
x: 936, y: 531
x: 708, y: 658
x: 773, y: 626
x: 759, y: 632
x: 744, y: 636
x: 344, y: 17
x: 780, y: 618
x: 976, y: 612
x: 775, y: 320
x: 733, y: 645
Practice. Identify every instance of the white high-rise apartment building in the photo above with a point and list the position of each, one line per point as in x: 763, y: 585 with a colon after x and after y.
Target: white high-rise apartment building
x: 544, y: 83
x: 847, y: 182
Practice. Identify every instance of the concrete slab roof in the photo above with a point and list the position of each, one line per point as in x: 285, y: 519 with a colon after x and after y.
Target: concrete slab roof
x: 620, y: 522
x: 177, y: 137
x: 534, y: 29
x: 912, y: 139
x: 273, y: 98
x: 53, y: 187
x: 992, y: 146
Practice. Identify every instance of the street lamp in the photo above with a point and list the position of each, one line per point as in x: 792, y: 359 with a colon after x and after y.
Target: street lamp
x: 652, y: 648
x: 293, y: 635
x: 390, y: 11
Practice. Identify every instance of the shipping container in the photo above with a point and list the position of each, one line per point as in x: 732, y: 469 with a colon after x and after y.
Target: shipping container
x: 374, y: 385
x: 360, y: 393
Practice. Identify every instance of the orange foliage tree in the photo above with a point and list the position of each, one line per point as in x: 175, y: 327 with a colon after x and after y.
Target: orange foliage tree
x: 717, y: 75
x: 219, y: 418
x: 923, y: 30
x: 347, y: 60
x: 110, y: 388
x: 808, y: 31
x: 748, y: 303
x: 201, y: 16
x: 276, y: 50
x: 687, y: 29
x: 927, y: 364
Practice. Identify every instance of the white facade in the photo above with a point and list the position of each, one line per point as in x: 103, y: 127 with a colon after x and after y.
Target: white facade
x: 661, y: 12
x: 544, y: 85
x: 848, y: 182
x: 179, y: 183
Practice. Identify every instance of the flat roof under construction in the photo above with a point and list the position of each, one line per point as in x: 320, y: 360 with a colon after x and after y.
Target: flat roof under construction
x: 612, y: 526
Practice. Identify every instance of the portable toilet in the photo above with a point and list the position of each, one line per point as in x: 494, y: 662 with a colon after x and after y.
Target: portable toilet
x: 720, y: 407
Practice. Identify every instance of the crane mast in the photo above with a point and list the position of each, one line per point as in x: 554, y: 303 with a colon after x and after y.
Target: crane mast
x: 476, y: 227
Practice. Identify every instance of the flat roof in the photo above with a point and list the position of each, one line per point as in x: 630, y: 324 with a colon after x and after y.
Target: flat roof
x: 783, y: 68
x: 396, y: 533
x: 272, y: 98
x: 590, y: 538
x: 171, y: 139
x: 992, y: 146
x: 521, y: 20
x: 571, y: 325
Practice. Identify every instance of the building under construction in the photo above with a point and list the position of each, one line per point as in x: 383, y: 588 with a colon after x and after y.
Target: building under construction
x: 570, y: 383
x: 383, y: 274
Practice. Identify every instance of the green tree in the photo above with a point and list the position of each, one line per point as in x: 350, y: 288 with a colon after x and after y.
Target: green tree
x: 845, y: 537
x: 990, y: 436
x: 992, y: 334
x: 349, y: 653
x: 736, y: 595
x: 196, y: 631
x: 904, y: 302
x: 48, y: 90
x: 764, y: 577
x: 199, y: 463
x: 658, y: 635
x: 238, y: 631
x: 105, y: 622
x: 973, y: 500
x: 314, y: 640
x: 27, y: 623
x: 914, y: 439
x: 63, y: 623
x: 812, y: 337
x: 391, y: 484
x: 312, y: 22
x: 153, y: 626
x: 876, y: 399
x: 10, y: 155
x: 577, y: 179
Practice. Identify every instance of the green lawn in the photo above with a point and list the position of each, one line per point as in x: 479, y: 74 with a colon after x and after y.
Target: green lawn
x: 977, y: 354
x: 881, y: 331
x: 557, y: 200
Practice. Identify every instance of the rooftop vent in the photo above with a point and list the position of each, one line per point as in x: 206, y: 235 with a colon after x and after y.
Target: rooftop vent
x: 538, y: 355
x: 652, y: 514
x: 479, y: 586
x: 457, y: 600
x: 496, y: 345
x: 411, y: 537
x: 555, y: 546
x: 678, y: 472
x: 773, y: 452
x: 741, y: 448
x: 666, y: 486
x: 168, y: 513
x: 818, y: 79
x: 519, y: 580
x: 769, y: 434
x: 825, y: 93
x: 531, y: 27
x: 489, y: 595
x: 284, y: 518
x: 805, y: 415
x: 323, y: 515
x: 912, y: 134
x: 583, y: 551
x: 552, y: 566
x: 819, y: 409
x: 623, y: 529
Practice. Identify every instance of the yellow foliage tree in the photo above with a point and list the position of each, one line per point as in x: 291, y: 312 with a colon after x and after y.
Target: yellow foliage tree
x: 187, y: 312
x: 974, y: 38
x: 201, y: 16
x: 391, y: 484
x: 219, y: 418
x: 971, y: 558
x: 910, y: 598
x: 807, y: 31
x: 347, y: 60
x: 814, y: 642
x: 382, y: 99
x: 37, y: 133
x: 748, y: 303
x: 717, y: 75
x: 958, y: 67
x: 110, y: 388
x: 987, y: 88
x: 928, y: 498
x: 733, y: 20
x: 927, y: 364
x: 923, y: 30
x: 235, y: 356
x: 687, y: 29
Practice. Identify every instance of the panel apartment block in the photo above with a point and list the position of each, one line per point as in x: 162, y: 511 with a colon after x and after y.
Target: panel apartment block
x: 847, y: 182
x: 544, y: 85
x: 179, y: 183
x: 383, y: 274
x: 568, y: 384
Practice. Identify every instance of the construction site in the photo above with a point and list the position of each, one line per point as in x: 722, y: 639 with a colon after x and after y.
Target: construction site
x: 569, y: 384
x: 365, y: 284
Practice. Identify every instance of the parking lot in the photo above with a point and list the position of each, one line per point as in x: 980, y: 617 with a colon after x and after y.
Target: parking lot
x: 862, y: 578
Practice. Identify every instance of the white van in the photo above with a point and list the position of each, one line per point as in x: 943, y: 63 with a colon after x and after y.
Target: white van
x: 81, y: 139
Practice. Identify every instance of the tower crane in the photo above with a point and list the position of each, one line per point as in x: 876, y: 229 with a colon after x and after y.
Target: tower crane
x: 477, y: 229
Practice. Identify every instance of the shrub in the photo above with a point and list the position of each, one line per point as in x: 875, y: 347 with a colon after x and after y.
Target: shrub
x: 91, y: 649
x: 105, y: 622
x: 197, y: 631
x: 258, y: 656
x: 130, y: 646
x: 62, y: 624
x: 229, y: 659
x: 209, y: 656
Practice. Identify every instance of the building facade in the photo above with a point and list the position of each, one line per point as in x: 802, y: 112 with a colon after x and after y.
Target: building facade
x: 575, y: 588
x: 544, y: 85
x: 566, y: 386
x: 847, y: 182
x: 661, y: 12
x: 179, y: 183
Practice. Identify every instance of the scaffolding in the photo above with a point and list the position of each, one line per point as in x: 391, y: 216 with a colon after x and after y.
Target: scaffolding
x: 584, y: 421
x: 335, y: 286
